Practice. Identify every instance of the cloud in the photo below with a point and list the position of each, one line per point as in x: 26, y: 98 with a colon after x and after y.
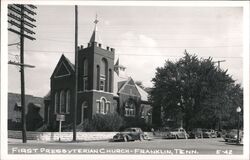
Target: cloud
x: 141, y: 63
x: 107, y: 22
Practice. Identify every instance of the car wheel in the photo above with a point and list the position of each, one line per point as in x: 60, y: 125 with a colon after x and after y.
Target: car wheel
x: 125, y: 138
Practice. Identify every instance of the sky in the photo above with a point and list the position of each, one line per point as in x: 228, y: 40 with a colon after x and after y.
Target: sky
x: 144, y: 37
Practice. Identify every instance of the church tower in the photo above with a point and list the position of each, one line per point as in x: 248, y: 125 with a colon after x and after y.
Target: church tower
x: 96, y: 68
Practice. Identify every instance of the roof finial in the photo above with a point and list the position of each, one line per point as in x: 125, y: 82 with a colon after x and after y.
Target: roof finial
x: 95, y: 36
x: 96, y: 20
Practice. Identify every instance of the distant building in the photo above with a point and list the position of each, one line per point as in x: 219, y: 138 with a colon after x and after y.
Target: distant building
x: 103, y: 87
x: 34, y: 112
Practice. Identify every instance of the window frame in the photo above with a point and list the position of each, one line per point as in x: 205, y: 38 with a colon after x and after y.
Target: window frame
x: 85, y: 84
x: 67, y: 101
x: 103, y: 106
x: 56, y: 100
x: 62, y: 101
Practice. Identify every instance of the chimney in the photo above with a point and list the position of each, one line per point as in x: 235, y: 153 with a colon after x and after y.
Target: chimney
x: 108, y: 48
x: 81, y: 46
x: 100, y: 45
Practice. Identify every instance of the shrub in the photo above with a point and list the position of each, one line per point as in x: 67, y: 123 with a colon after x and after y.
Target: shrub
x: 109, y: 122
x: 86, y: 126
x: 102, y: 123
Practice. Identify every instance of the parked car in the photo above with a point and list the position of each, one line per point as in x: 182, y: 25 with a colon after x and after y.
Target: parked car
x: 178, y: 133
x: 209, y: 133
x: 130, y: 134
x: 231, y: 136
x: 166, y: 133
x: 196, y: 133
x: 219, y: 133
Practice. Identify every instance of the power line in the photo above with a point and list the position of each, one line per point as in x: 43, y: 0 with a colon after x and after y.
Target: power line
x: 179, y: 46
x: 154, y: 55
x: 21, y: 20
x: 13, y: 44
x: 152, y: 47
x: 136, y: 39
x: 131, y: 54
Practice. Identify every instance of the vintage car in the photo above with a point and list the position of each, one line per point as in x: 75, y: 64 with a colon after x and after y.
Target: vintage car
x: 196, y: 133
x: 178, y: 133
x: 209, y: 133
x: 130, y: 134
x: 165, y: 133
x: 219, y: 133
x: 231, y: 136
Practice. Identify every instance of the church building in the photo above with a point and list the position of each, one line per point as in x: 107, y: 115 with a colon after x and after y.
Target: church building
x: 103, y: 87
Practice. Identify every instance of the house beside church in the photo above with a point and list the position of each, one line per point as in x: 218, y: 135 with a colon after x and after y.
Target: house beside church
x: 34, y: 112
x: 103, y: 87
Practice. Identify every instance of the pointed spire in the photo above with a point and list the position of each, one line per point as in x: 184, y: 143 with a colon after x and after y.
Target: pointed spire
x: 117, y: 62
x: 120, y: 69
x: 95, y: 36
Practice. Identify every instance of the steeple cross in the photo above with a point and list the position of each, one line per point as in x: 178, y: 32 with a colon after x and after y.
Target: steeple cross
x: 96, y: 20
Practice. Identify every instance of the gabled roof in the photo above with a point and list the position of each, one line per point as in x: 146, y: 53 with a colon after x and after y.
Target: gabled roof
x: 72, y: 66
x: 128, y: 80
x: 67, y: 64
x: 143, y: 93
x: 117, y: 79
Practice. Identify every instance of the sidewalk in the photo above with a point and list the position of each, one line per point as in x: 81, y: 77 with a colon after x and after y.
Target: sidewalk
x: 14, y: 140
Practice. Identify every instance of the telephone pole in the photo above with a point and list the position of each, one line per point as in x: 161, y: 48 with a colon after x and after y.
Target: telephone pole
x: 76, y: 72
x: 219, y: 62
x: 20, y: 19
x: 219, y: 110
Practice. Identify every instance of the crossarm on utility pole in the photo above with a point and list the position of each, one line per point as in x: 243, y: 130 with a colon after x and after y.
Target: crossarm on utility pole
x: 21, y: 64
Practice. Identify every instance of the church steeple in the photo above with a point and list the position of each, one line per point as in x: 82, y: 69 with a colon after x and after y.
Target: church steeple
x: 120, y: 69
x: 95, y: 35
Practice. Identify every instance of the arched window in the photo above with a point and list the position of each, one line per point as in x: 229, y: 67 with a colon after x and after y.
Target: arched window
x: 103, y: 106
x: 110, y: 80
x: 56, y: 103
x: 98, y: 109
x: 84, y: 106
x: 97, y: 77
x: 85, y: 67
x: 62, y: 102
x: 130, y: 108
x: 68, y: 101
x: 85, y: 75
x: 103, y: 75
x: 107, y: 106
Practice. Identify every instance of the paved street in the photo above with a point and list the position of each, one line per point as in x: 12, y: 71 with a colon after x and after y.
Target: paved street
x: 155, y: 146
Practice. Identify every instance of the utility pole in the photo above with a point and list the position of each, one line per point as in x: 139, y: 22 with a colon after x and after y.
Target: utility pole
x: 219, y: 110
x: 219, y: 62
x: 18, y: 14
x: 76, y: 72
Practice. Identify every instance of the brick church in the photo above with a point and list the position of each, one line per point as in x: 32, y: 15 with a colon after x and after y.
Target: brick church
x: 103, y: 87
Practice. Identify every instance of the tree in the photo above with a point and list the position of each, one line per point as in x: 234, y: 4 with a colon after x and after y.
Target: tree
x: 193, y: 91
